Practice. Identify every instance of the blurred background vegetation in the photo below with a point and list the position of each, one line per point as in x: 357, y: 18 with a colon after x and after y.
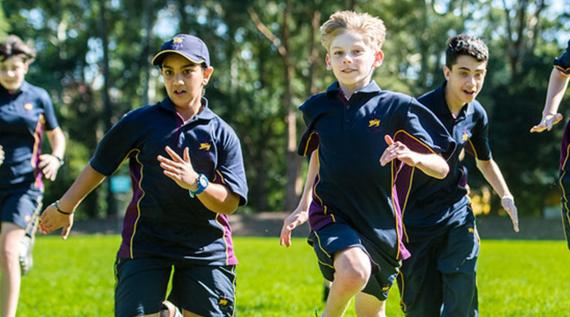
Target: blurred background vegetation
x: 94, y: 59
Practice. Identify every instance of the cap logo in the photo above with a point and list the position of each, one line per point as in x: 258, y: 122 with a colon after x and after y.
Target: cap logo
x: 177, y: 40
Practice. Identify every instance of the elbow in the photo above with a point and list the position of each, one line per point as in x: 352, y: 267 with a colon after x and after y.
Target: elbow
x: 229, y: 206
x: 443, y: 172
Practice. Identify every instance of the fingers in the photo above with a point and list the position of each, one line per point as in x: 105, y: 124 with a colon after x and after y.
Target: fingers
x: 388, y: 139
x: 186, y: 155
x: 65, y: 232
x: 173, y: 155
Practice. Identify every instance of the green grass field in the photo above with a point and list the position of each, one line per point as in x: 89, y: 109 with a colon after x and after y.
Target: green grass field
x: 75, y: 278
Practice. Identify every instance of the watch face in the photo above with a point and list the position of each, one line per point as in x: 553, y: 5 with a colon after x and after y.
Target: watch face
x: 203, y: 181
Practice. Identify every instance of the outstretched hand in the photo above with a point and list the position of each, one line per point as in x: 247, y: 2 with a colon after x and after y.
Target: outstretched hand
x: 295, y: 219
x: 179, y: 169
x: 508, y: 203
x: 547, y: 122
x: 398, y: 150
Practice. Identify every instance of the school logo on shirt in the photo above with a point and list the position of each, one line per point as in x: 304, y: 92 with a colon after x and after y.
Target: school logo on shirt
x: 471, y: 230
x: 223, y: 301
x: 374, y: 123
x: 205, y: 146
x: 28, y: 106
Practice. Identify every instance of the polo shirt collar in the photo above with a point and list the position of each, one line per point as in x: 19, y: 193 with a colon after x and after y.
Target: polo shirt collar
x: 205, y: 114
x: 372, y: 87
x: 24, y: 87
x: 443, y: 107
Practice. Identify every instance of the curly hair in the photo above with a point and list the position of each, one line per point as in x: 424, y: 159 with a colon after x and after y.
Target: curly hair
x: 14, y: 46
x: 464, y: 44
x: 371, y: 27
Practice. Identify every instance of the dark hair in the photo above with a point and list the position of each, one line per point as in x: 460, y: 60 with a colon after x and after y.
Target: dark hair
x: 464, y: 44
x: 14, y: 46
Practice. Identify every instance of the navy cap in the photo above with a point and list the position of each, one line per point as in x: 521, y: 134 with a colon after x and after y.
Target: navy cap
x: 189, y: 46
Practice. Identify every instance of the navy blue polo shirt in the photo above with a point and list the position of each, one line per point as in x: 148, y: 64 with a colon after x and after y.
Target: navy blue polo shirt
x: 441, y: 202
x: 351, y: 186
x: 562, y: 62
x: 24, y: 115
x: 162, y: 219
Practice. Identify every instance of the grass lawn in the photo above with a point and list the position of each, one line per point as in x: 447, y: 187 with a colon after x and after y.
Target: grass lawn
x: 75, y: 278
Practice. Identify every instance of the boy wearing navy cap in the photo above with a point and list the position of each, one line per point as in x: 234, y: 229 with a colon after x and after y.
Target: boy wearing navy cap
x: 439, y: 279
x: 26, y: 111
x: 353, y: 212
x: 557, y: 84
x: 187, y: 173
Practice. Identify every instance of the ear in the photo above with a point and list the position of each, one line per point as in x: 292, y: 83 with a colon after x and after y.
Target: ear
x: 446, y: 72
x: 328, y: 61
x: 378, y: 58
x: 207, y: 74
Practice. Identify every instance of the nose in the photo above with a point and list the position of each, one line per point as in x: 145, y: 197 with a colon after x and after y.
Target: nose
x: 179, y: 79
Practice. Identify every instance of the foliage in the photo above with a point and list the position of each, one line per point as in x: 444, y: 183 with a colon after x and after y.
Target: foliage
x: 256, y: 83
x: 274, y: 281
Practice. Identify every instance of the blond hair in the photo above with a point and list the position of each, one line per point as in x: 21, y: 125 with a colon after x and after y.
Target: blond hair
x: 371, y: 27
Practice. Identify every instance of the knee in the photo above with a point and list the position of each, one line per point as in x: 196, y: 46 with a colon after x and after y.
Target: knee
x: 8, y: 255
x: 353, y: 272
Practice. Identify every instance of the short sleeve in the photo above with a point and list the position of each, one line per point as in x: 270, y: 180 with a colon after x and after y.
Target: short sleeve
x: 116, y: 145
x: 310, y: 138
x: 49, y: 111
x: 230, y: 165
x: 479, y: 142
x: 422, y: 131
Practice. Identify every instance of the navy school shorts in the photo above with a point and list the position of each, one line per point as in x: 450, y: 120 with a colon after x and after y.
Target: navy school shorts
x: 18, y: 205
x: 337, y: 237
x: 142, y: 283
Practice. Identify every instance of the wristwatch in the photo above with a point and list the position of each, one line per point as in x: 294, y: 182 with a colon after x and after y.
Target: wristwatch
x: 202, y: 182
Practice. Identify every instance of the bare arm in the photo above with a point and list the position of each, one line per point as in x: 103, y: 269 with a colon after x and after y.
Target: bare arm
x: 301, y: 214
x: 493, y: 175
x: 557, y: 85
x: 53, y: 219
x: 50, y: 163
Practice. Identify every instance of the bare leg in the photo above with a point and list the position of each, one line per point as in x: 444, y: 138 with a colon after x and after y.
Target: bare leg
x: 10, y: 237
x: 352, y: 271
x: 369, y: 306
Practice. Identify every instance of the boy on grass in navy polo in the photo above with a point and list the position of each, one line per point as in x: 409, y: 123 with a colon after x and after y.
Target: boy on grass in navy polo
x: 557, y: 84
x: 26, y: 112
x: 439, y: 279
x: 187, y: 173
x: 354, y: 218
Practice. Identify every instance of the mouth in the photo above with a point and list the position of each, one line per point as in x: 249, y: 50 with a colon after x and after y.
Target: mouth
x: 179, y: 92
x: 470, y: 93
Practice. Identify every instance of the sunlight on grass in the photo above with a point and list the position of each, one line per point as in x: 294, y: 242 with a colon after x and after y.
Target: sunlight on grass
x: 75, y: 278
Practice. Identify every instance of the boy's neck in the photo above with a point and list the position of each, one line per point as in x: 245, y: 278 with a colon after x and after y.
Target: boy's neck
x: 453, y: 104
x: 189, y: 111
x: 348, y: 90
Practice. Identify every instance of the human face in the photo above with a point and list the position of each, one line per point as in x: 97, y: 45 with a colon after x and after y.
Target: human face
x: 12, y: 73
x: 352, y: 60
x: 464, y: 80
x: 184, y: 80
